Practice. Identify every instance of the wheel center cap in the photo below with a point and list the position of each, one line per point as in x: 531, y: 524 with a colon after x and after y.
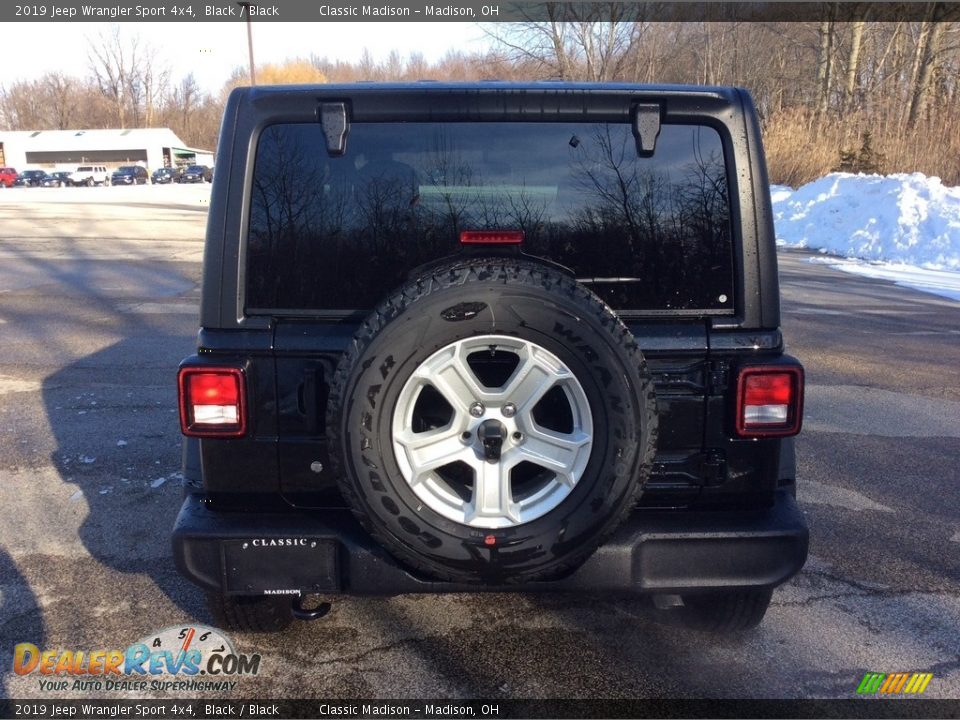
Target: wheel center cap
x: 491, y: 434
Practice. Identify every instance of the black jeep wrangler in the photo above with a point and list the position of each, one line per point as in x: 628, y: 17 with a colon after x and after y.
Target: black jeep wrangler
x: 490, y: 337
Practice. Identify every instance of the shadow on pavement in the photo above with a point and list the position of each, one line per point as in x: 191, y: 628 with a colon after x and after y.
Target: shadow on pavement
x: 21, y: 617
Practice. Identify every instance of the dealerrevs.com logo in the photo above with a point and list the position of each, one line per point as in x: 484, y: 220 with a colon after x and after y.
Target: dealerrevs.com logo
x: 194, y: 657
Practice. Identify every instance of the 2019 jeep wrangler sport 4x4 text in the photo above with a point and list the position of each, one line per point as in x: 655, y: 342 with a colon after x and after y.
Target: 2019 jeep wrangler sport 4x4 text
x: 490, y: 337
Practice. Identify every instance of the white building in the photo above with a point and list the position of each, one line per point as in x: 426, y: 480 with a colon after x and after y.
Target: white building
x: 60, y: 149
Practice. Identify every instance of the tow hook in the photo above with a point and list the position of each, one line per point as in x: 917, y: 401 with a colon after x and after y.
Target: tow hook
x: 301, y: 611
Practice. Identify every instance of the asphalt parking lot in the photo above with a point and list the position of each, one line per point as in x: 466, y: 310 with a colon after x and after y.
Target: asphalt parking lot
x: 98, y: 296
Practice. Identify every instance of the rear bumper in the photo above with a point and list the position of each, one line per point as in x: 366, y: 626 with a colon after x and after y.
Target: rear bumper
x: 328, y: 552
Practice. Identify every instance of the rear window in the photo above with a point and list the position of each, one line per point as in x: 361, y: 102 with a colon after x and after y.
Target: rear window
x: 339, y: 233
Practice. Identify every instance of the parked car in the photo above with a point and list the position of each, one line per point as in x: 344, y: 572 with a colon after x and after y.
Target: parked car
x: 56, y: 179
x: 405, y: 385
x: 30, y: 178
x: 8, y: 176
x: 165, y: 175
x: 197, y: 174
x: 90, y: 175
x: 130, y: 175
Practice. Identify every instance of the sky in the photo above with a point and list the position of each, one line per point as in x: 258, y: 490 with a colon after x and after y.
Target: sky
x: 211, y: 50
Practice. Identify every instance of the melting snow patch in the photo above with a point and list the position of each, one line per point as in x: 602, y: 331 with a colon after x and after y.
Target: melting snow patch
x: 166, y: 308
x: 76, y: 496
x: 86, y: 459
x: 939, y: 282
x: 956, y: 537
x: 161, y: 480
x: 10, y: 385
x: 121, y: 443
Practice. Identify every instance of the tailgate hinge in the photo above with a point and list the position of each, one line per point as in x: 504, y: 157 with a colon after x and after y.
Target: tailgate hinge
x: 646, y: 127
x: 335, y: 119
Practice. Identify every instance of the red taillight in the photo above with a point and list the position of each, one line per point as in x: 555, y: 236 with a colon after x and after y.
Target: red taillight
x: 491, y: 237
x: 212, y: 402
x: 769, y: 401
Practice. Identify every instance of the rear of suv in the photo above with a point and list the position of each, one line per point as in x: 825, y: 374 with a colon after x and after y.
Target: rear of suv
x: 130, y: 175
x: 490, y: 337
x: 90, y: 175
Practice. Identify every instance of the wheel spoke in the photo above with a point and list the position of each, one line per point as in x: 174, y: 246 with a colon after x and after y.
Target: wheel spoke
x: 453, y: 378
x: 430, y: 450
x: 531, y: 381
x: 558, y: 452
x: 491, y: 493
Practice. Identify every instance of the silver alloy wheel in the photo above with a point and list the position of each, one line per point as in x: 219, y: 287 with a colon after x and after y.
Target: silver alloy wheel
x: 451, y: 469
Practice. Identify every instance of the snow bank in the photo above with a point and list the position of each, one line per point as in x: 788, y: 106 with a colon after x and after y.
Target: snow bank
x: 907, y: 219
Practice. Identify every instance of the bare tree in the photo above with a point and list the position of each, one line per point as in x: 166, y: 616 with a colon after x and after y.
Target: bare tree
x: 853, y: 63
x: 126, y: 71
x: 928, y: 50
x: 577, y: 42
x: 23, y: 106
x: 183, y: 102
x: 825, y: 63
x: 61, y: 92
x: 53, y: 101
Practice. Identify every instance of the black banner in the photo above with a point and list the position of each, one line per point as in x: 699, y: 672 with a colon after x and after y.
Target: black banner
x: 457, y: 709
x: 137, y: 11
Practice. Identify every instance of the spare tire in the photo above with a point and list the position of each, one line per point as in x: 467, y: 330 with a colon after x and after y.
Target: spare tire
x: 493, y: 421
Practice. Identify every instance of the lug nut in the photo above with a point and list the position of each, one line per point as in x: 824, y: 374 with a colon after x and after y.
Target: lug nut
x: 477, y: 409
x: 518, y: 436
x: 465, y: 436
x: 509, y: 410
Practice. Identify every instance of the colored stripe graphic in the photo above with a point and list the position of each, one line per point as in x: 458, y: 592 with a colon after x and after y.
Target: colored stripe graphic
x: 894, y: 684
x: 870, y: 683
x: 919, y: 682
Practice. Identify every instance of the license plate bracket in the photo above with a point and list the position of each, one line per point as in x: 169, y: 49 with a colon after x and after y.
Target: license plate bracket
x: 280, y: 566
